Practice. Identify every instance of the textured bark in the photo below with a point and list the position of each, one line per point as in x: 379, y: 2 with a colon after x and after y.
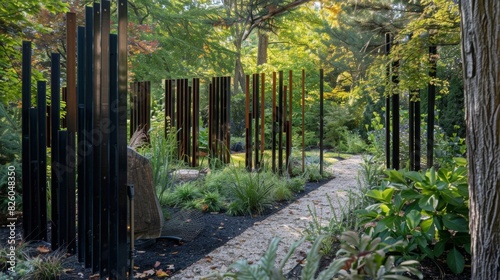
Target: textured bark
x: 481, y: 54
x: 262, y: 47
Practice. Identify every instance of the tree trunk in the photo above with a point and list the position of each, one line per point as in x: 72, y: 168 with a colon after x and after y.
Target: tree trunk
x: 481, y: 54
x: 262, y: 47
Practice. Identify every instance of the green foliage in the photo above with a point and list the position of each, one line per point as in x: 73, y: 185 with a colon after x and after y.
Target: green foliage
x: 448, y: 148
x: 370, y: 173
x: 282, y: 192
x: 10, y: 153
x: 266, y: 268
x: 367, y: 259
x: 162, y: 152
x: 211, y: 202
x: 15, y: 21
x: 184, y: 194
x: 342, y: 219
x: 41, y: 267
x: 359, y: 258
x: 427, y: 209
x: 250, y: 193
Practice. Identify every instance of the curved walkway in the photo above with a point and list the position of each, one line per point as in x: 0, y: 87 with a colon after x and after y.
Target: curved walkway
x: 288, y: 224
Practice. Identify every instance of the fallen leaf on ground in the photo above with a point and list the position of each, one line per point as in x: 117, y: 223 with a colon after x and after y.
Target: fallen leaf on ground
x: 43, y: 249
x: 160, y: 273
x: 157, y: 264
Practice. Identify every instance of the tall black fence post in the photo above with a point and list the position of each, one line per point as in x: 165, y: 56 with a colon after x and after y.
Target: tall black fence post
x: 321, y: 119
x: 28, y: 225
x: 388, y: 43
x: 56, y: 167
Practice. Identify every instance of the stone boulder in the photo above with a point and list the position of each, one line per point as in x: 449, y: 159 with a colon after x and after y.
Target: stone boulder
x: 148, y: 217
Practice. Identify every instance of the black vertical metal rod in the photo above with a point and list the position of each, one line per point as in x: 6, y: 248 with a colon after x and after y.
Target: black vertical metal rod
x: 248, y: 119
x: 321, y: 119
x: 256, y: 119
x: 262, y: 114
x: 62, y: 188
x: 289, y: 130
x: 274, y: 120
x: 411, y: 132
x: 395, y: 117
x: 25, y: 113
x: 221, y: 118
x: 285, y: 123
x: 303, y: 119
x: 34, y: 172
x: 227, y: 113
x: 133, y: 106
x: 431, y: 103
x: 81, y: 150
x: 418, y: 122
x: 71, y: 117
x: 168, y: 101
x: 113, y: 157
x: 178, y: 104
x: 71, y: 105
x: 225, y: 154
x: 189, y: 91
x: 148, y: 107
x: 211, y: 120
x: 55, y: 168
x: 96, y: 142
x: 196, y: 116
x: 218, y: 120
x: 105, y: 133
x: 88, y: 160
x: 280, y: 122
x: 122, y: 141
x: 42, y: 158
x: 388, y: 43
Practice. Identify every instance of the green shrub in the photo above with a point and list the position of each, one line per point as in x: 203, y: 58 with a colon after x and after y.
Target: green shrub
x: 41, y: 267
x: 370, y: 173
x: 266, y: 269
x: 282, y: 192
x: 359, y: 258
x: 342, y: 219
x: 185, y: 193
x: 211, y: 202
x: 427, y: 209
x: 365, y: 257
x: 352, y: 143
x: 162, y: 152
x: 250, y: 192
x: 296, y: 184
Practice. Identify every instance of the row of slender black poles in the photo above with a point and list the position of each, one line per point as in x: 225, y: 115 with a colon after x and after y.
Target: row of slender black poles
x: 392, y: 116
x: 96, y: 89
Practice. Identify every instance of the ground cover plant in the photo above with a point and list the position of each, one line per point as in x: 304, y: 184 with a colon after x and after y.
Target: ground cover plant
x: 428, y: 209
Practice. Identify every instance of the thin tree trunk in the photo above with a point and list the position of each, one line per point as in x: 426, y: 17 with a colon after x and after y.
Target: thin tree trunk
x: 481, y: 54
x: 239, y: 74
x: 262, y: 47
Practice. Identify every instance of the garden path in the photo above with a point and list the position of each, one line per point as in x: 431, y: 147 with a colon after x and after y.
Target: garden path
x: 288, y: 224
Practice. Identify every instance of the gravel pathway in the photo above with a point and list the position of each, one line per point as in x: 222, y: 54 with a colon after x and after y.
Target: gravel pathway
x: 288, y: 224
